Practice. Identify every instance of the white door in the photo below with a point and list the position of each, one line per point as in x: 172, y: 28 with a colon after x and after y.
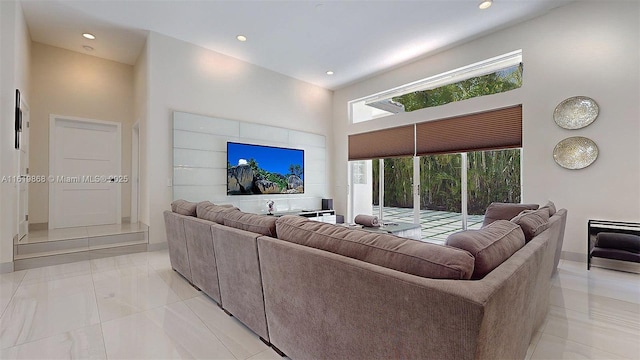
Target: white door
x: 84, y: 172
x: 23, y: 185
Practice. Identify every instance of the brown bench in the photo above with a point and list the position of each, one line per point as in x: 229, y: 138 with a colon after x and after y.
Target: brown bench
x: 614, y: 241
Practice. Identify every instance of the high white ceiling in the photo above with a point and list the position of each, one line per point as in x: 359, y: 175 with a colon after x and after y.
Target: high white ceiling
x: 301, y: 39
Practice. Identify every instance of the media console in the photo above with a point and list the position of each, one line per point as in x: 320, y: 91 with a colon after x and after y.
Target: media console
x: 327, y: 216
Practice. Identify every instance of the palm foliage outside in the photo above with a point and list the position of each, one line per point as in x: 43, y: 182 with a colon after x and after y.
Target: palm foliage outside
x: 494, y: 83
x: 491, y: 176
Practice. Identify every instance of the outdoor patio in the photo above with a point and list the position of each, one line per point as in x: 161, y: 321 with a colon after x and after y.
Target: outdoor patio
x: 436, y: 225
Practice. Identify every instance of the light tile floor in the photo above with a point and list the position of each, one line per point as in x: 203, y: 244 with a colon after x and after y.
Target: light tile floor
x: 135, y: 306
x: 436, y: 225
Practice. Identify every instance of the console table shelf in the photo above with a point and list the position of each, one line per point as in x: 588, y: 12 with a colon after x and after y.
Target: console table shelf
x: 327, y: 216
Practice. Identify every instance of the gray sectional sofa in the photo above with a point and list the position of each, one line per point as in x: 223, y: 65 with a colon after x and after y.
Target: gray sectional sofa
x: 321, y: 291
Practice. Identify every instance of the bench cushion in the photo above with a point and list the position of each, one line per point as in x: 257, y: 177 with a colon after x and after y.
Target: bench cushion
x: 406, y: 255
x: 609, y: 240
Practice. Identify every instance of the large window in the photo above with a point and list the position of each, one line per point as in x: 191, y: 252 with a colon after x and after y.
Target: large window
x: 496, y: 75
x: 491, y: 176
x: 398, y: 175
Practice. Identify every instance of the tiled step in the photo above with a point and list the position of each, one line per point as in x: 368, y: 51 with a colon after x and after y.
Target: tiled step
x: 51, y: 247
x: 57, y: 247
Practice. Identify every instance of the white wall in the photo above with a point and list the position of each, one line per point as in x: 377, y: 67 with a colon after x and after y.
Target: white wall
x: 70, y: 83
x: 200, y: 161
x: 14, y: 74
x: 584, y: 48
x: 185, y: 77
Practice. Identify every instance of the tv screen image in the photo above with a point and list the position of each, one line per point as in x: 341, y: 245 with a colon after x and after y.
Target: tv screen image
x: 258, y: 169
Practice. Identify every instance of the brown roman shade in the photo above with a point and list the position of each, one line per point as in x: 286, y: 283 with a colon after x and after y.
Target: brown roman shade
x: 380, y: 144
x: 495, y: 129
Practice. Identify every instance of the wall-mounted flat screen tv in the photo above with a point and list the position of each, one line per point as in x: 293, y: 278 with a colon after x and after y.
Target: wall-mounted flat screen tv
x: 258, y: 169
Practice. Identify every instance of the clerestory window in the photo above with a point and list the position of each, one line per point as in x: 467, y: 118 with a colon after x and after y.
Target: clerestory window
x: 496, y: 75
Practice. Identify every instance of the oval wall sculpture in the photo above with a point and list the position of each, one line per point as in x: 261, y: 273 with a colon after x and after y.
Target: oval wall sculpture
x: 575, y: 152
x: 576, y: 112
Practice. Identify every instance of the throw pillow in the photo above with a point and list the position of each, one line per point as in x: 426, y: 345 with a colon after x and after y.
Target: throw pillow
x: 532, y: 222
x: 490, y: 246
x: 551, y: 207
x: 504, y: 211
x: 184, y: 207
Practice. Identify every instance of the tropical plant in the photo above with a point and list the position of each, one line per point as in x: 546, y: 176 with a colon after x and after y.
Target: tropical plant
x: 491, y: 176
x: 296, y: 169
x: 497, y: 82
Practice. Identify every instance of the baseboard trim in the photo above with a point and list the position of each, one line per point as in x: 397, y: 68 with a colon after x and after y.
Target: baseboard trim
x: 157, y: 246
x: 6, y: 267
x: 573, y: 256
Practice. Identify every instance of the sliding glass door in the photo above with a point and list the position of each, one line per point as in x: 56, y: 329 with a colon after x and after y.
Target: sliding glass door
x: 444, y: 193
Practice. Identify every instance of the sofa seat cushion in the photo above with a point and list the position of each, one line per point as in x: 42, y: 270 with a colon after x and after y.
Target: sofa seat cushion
x: 184, y: 207
x: 406, y: 255
x: 504, y: 211
x: 261, y: 224
x: 532, y: 222
x: 216, y: 213
x: 491, y: 245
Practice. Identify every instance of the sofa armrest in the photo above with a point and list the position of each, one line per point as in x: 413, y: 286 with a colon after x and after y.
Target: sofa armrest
x: 177, y: 243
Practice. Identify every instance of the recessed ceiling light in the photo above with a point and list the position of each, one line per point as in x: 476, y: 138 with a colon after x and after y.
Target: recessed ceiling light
x: 89, y: 36
x: 241, y: 38
x: 485, y: 4
x: 87, y: 47
x: 329, y: 72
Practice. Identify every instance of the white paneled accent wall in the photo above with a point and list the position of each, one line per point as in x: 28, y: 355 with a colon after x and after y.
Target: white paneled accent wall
x: 200, y: 161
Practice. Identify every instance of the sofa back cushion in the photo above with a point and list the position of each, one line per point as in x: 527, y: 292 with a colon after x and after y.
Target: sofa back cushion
x: 261, y: 224
x: 184, y: 207
x: 532, y: 222
x: 406, y: 255
x: 216, y: 213
x: 491, y: 245
x: 505, y: 211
